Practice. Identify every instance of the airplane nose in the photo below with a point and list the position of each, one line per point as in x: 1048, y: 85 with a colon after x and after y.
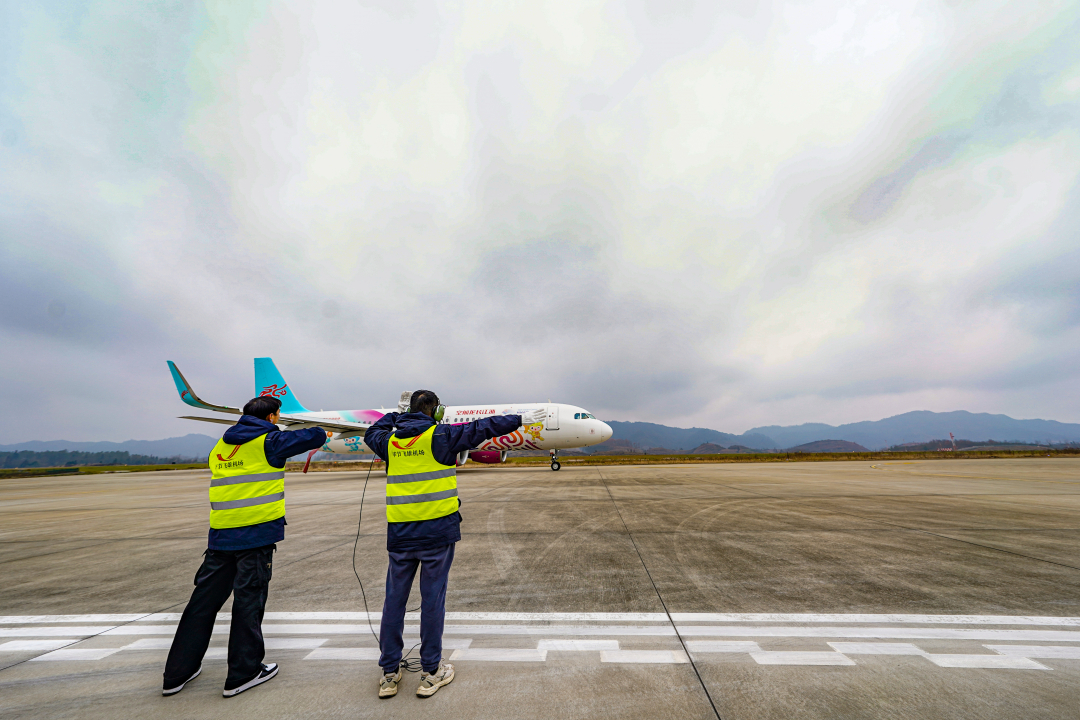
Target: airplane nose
x: 605, y: 431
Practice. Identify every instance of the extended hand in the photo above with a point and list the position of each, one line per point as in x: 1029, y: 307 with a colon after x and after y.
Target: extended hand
x: 531, y: 417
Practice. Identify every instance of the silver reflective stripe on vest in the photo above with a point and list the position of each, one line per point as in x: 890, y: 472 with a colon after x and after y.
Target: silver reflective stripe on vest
x: 237, y: 479
x: 247, y: 502
x: 425, y: 497
x: 418, y: 477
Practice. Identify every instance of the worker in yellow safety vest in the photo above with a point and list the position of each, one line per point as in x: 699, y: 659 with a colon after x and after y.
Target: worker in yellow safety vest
x: 247, y: 519
x: 423, y: 522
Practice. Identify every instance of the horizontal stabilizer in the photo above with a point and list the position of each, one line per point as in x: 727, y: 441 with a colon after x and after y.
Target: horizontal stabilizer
x: 221, y: 421
x: 188, y: 395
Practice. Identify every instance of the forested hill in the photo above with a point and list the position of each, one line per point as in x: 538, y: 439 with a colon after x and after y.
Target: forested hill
x: 67, y: 458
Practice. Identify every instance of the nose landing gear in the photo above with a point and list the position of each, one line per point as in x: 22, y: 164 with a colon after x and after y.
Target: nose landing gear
x: 555, y: 465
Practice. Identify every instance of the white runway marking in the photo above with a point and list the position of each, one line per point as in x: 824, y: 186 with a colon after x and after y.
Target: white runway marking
x: 884, y: 633
x: 858, y: 648
x: 655, y: 657
x: 35, y: 645
x: 722, y: 646
x: 76, y: 654
x: 801, y: 658
x: 602, y: 635
x: 501, y: 655
x: 985, y: 661
x: 1062, y: 652
x: 115, y: 619
x: 344, y: 654
x: 578, y: 645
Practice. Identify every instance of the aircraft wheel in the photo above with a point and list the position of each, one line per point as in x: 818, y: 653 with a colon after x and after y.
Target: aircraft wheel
x: 555, y: 465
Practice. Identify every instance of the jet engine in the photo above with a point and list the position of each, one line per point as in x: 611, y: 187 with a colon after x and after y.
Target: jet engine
x: 491, y: 457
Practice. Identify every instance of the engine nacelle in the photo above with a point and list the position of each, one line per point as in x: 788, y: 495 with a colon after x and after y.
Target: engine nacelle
x: 462, y: 457
x: 491, y: 457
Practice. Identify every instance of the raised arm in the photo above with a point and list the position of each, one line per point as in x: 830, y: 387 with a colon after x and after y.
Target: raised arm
x: 378, y: 435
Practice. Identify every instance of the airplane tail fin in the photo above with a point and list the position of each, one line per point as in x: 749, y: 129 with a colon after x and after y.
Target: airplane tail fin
x: 268, y: 382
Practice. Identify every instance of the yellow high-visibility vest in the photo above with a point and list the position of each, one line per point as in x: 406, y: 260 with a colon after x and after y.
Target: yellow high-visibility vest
x: 418, y: 487
x: 245, y: 489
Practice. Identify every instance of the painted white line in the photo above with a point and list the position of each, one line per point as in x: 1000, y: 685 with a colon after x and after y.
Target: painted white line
x: 501, y: 655
x: 985, y: 661
x: 896, y: 618
x: 722, y: 646
x: 78, y: 654
x: 859, y: 648
x: 270, y: 644
x: 343, y: 654
x: 880, y: 619
x: 656, y: 657
x: 82, y: 631
x: 886, y: 633
x: 149, y: 644
x: 42, y: 619
x: 1062, y: 652
x: 577, y: 645
x: 452, y: 629
x: 801, y: 658
x: 447, y: 643
x: 35, y: 645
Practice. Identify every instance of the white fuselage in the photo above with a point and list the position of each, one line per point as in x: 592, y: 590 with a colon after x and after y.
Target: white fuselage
x: 566, y: 426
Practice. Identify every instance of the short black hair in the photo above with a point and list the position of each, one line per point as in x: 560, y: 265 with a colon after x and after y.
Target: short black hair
x: 262, y: 407
x: 423, y: 401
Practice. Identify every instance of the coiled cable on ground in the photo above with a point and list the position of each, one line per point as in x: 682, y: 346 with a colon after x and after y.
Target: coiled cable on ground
x: 408, y: 664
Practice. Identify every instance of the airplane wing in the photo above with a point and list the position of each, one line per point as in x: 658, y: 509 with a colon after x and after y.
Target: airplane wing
x: 298, y: 422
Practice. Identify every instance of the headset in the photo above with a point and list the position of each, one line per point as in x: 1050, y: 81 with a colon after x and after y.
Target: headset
x: 438, y: 413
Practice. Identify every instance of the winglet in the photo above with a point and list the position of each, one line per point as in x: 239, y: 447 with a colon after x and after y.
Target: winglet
x: 268, y: 381
x: 188, y: 395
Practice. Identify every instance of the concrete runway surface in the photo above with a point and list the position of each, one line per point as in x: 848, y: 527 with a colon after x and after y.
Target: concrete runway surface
x: 923, y: 589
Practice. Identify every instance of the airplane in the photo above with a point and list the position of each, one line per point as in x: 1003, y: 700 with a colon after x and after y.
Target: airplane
x: 566, y: 426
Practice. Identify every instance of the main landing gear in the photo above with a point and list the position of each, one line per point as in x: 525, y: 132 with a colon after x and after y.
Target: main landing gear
x: 555, y: 460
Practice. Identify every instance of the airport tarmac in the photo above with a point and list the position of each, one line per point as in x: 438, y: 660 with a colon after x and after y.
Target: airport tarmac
x: 924, y: 589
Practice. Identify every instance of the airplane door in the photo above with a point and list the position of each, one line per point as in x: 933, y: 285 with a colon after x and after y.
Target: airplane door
x: 552, y: 418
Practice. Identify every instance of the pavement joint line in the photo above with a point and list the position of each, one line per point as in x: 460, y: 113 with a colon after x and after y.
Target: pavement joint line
x: 682, y: 618
x: 674, y: 627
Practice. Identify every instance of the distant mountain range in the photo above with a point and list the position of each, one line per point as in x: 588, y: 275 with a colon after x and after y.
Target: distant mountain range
x: 920, y: 426
x: 189, y: 446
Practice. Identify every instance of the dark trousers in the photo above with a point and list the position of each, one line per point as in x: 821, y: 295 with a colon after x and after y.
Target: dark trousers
x: 434, y: 571
x: 245, y: 574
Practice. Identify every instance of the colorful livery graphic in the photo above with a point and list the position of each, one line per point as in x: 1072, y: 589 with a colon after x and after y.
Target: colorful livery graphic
x: 565, y: 426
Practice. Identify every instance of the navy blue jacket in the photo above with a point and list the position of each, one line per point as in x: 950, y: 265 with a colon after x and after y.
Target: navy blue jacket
x: 279, y: 446
x: 446, y: 442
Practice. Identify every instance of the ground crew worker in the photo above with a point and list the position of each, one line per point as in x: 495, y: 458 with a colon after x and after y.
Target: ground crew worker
x: 423, y: 524
x: 247, y: 518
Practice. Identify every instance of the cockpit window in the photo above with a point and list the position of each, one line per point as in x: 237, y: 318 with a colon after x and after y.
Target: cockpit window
x: 584, y: 416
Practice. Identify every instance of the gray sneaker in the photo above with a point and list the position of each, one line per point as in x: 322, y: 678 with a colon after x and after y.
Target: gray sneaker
x: 431, y: 682
x: 389, y: 683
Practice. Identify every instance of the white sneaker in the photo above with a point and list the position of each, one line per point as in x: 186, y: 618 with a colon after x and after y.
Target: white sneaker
x: 431, y: 682
x: 172, y: 691
x: 269, y: 672
x: 388, y: 684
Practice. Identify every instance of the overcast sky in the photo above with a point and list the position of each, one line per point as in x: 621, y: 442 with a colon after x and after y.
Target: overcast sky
x: 658, y: 210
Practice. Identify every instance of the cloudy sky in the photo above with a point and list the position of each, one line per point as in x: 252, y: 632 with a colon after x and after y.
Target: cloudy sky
x: 771, y: 212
